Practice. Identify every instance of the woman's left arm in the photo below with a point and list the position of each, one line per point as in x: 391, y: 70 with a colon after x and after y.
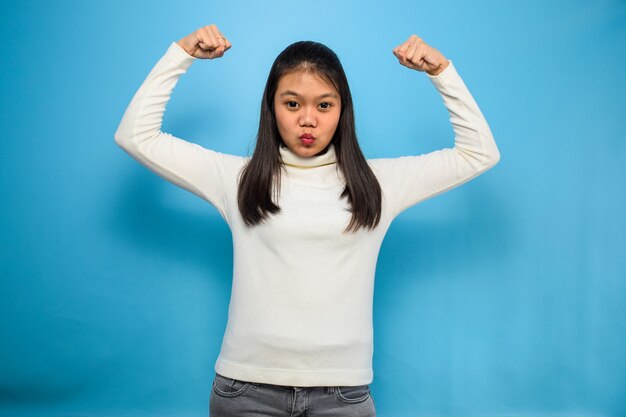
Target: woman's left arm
x: 409, y: 180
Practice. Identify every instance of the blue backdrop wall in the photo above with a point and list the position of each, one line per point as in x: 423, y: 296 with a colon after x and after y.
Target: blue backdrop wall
x: 503, y: 297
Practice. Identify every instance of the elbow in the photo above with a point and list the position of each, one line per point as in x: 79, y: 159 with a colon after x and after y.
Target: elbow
x: 119, y: 139
x: 494, y: 158
x: 122, y: 139
x: 484, y: 158
x: 492, y: 153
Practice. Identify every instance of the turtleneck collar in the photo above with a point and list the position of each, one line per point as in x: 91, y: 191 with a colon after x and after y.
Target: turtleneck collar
x: 289, y: 158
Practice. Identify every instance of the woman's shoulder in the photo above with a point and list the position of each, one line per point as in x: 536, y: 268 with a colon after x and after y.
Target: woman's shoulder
x: 380, y: 167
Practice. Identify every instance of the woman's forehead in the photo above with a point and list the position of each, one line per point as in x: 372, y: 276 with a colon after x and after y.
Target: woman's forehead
x: 304, y: 82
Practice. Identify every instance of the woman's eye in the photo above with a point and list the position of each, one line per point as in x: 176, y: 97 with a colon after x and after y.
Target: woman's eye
x: 325, y: 105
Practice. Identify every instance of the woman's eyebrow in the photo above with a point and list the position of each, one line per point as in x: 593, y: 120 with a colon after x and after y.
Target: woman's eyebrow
x: 293, y: 93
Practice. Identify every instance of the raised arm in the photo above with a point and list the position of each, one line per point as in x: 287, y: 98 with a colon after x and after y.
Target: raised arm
x: 199, y: 170
x: 409, y: 180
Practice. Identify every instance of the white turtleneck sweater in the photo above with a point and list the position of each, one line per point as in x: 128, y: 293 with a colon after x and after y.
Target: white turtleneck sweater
x: 300, y: 312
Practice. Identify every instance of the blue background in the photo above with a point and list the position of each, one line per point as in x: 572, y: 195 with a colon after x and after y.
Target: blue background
x: 503, y: 297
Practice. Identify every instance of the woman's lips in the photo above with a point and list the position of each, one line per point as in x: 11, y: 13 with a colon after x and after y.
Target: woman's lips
x: 307, y: 138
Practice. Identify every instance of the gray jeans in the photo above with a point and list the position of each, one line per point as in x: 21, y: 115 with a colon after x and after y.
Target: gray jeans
x: 235, y: 398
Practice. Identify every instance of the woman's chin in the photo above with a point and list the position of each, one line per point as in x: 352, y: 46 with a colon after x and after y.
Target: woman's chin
x: 312, y: 150
x: 306, y: 151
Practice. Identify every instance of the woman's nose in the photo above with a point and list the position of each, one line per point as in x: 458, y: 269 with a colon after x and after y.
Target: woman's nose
x: 307, y: 118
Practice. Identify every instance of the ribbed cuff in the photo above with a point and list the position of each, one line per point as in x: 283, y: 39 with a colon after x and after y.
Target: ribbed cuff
x: 444, y: 76
x: 180, y: 56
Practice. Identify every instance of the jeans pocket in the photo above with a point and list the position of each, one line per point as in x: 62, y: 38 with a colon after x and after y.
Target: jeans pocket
x: 229, y: 387
x: 352, y: 395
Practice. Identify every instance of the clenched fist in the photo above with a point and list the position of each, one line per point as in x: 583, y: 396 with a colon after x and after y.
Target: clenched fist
x: 417, y: 55
x: 205, y: 43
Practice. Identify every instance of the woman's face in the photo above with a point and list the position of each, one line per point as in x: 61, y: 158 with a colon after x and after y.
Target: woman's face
x: 304, y: 103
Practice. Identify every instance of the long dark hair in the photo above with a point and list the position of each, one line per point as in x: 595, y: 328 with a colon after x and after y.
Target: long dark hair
x: 260, y: 178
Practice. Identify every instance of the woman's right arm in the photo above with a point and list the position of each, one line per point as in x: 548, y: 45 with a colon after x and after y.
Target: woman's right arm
x: 199, y: 170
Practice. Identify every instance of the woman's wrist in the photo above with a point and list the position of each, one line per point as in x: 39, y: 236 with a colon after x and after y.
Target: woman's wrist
x: 439, y: 69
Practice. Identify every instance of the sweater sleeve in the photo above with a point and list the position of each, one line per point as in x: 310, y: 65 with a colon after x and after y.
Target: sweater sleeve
x: 201, y: 171
x: 408, y: 180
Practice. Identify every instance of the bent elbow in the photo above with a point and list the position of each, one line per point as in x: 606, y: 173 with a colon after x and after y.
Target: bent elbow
x: 119, y: 139
x: 491, y: 152
x: 122, y: 139
x: 494, y: 158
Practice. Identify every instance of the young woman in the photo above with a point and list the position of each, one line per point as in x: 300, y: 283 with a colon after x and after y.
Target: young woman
x: 308, y: 214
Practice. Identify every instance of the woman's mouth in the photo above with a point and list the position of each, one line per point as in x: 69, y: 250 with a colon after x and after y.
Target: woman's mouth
x: 307, y: 138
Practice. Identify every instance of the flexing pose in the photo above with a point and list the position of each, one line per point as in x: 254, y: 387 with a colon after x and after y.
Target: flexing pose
x: 308, y: 213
